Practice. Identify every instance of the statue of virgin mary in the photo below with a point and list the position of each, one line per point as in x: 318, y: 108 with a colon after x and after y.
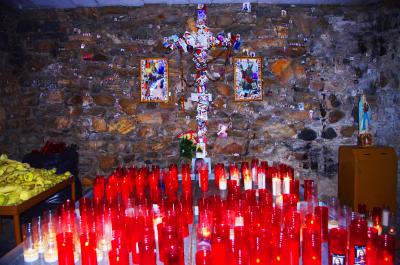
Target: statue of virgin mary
x: 364, y: 116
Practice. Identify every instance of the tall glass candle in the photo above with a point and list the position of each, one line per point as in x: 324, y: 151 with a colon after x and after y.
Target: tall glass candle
x: 223, y: 183
x: 147, y: 246
x: 338, y: 246
x: 31, y: 252
x: 311, y: 246
x: 372, y: 245
x: 38, y: 234
x: 247, y: 179
x: 203, y: 176
x: 286, y: 184
x: 203, y: 255
x: 310, y: 189
x: 358, y: 241
x: 254, y: 169
x: 186, y: 178
x: 88, y: 248
x: 219, y: 247
x: 118, y: 256
x: 386, y: 249
x: 276, y: 186
x: 65, y: 248
x: 321, y: 213
x: 234, y: 173
x: 261, y: 177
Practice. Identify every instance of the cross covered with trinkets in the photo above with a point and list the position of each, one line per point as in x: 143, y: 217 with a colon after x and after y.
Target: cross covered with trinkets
x: 199, y: 43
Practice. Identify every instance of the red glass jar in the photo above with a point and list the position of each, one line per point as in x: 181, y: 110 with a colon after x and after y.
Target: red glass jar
x: 118, y: 256
x: 310, y: 189
x: 387, y: 249
x: 203, y: 178
x: 219, y: 244
x: 88, y: 248
x: 186, y: 178
x: 311, y: 246
x: 338, y: 246
x: 358, y: 241
x: 147, y: 246
x: 372, y: 245
x: 203, y: 255
x: 321, y: 213
x: 65, y: 248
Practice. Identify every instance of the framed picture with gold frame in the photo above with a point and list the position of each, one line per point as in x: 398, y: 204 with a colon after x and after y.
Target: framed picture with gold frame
x: 247, y: 78
x: 154, y: 80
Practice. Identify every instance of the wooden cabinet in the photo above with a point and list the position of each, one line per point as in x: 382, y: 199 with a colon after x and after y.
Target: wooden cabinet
x: 367, y: 175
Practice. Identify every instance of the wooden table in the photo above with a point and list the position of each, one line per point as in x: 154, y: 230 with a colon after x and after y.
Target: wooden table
x: 16, y: 210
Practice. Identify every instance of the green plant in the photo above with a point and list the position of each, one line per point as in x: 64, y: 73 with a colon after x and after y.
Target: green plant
x: 186, y: 148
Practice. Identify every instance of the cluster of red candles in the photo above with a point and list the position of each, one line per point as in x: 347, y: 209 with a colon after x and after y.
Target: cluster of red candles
x: 255, y: 218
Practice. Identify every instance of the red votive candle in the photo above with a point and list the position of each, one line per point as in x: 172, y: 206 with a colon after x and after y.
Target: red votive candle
x: 147, y: 246
x: 219, y: 246
x: 65, y: 248
x: 222, y: 179
x: 173, y: 173
x: 234, y: 173
x: 254, y: 170
x: 321, y: 213
x: 295, y: 187
x: 338, y: 246
x: 186, y: 178
x: 118, y: 256
x: 358, y: 241
x: 293, y: 246
x: 203, y: 177
x: 217, y: 174
x: 279, y: 249
x: 88, y: 248
x: 372, y: 245
x: 386, y: 249
x: 171, y: 246
x: 311, y: 246
x: 241, y: 251
x: 310, y: 189
x: 203, y: 255
x: 98, y: 188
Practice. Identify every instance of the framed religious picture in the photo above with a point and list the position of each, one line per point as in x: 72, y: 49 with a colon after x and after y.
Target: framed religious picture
x: 247, y: 78
x: 154, y: 80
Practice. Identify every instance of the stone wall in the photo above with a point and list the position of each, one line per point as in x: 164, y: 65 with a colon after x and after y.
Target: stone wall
x: 323, y: 57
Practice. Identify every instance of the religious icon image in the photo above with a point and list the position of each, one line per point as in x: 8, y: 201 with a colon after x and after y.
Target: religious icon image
x: 360, y: 258
x: 338, y: 259
x: 154, y: 80
x: 247, y: 78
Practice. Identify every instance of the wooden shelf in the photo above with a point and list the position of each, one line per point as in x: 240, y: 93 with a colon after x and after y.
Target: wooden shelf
x: 16, y: 210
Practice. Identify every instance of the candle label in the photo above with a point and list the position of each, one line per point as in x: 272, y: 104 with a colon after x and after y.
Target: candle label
x: 360, y: 255
x: 338, y: 259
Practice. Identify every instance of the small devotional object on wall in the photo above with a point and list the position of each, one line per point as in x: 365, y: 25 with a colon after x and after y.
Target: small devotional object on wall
x: 364, y: 122
x: 154, y: 80
x: 247, y: 78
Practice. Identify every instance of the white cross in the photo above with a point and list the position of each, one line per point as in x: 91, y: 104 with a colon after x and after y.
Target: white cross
x: 199, y: 43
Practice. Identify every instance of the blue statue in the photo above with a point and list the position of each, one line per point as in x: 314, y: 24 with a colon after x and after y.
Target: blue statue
x: 364, y: 116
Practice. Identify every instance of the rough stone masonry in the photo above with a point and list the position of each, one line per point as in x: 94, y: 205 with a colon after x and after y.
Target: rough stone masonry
x: 317, y: 62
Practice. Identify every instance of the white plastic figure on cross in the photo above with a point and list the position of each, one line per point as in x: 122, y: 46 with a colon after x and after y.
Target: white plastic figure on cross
x: 199, y: 43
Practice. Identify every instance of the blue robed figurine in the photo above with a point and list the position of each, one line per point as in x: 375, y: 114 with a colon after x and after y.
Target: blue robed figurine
x: 364, y: 122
